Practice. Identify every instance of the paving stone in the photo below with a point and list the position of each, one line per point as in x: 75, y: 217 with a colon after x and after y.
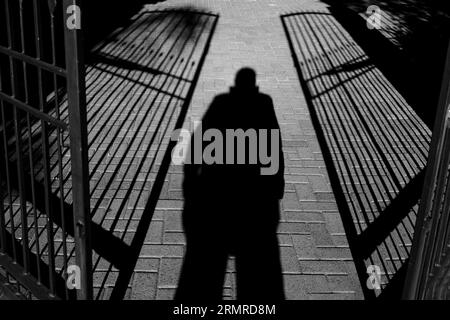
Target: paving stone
x: 151, y: 250
x: 147, y: 265
x: 174, y: 237
x: 165, y: 293
x: 304, y: 246
x: 294, y: 228
x: 289, y: 260
x: 170, y: 269
x: 299, y: 286
x: 144, y: 286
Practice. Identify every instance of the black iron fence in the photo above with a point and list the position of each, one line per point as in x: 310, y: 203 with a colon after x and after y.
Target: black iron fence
x: 44, y: 191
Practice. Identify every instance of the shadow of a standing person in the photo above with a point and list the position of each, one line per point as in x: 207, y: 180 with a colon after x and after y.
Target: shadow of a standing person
x: 232, y: 197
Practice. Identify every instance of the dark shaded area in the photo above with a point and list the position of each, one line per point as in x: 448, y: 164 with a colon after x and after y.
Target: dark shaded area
x: 102, y: 17
x: 232, y: 209
x: 414, y: 56
x: 374, y: 148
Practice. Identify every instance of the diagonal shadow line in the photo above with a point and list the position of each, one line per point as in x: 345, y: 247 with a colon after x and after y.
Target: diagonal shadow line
x: 104, y: 243
x: 154, y: 115
x: 353, y: 148
x: 156, y: 17
x: 150, y: 144
x: 363, y: 121
x: 121, y: 63
x: 126, y: 273
x: 361, y: 245
x: 376, y: 233
x: 374, y: 96
x: 142, y: 83
x: 379, y: 209
x: 339, y: 15
x: 393, y: 62
x: 388, y: 220
x: 185, y: 66
x: 375, y: 116
x: 170, y: 117
x: 344, y: 209
x: 118, y: 62
x: 128, y: 48
x: 164, y: 62
x: 394, y: 290
x: 114, y: 248
x: 152, y: 19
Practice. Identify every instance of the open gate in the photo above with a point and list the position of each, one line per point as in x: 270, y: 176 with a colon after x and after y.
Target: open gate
x: 429, y: 267
x: 44, y: 188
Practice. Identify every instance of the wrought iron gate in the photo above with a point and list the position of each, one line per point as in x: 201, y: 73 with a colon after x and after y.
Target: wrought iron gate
x: 44, y: 187
x: 429, y: 268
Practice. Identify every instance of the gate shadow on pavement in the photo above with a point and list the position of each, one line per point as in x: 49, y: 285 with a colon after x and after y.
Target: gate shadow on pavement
x: 139, y: 86
x: 374, y: 145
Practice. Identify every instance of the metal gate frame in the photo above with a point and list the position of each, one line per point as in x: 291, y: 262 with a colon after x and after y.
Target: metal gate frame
x: 74, y: 73
x: 429, y: 264
x: 76, y: 94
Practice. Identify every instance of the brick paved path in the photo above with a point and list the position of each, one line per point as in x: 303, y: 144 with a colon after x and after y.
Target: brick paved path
x: 316, y: 260
x: 125, y: 137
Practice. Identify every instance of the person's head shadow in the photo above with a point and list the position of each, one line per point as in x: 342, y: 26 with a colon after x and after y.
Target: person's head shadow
x: 245, y: 81
x: 234, y: 179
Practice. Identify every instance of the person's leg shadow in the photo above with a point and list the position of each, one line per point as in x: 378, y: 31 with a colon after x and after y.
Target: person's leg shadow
x: 204, y: 266
x: 249, y: 234
x: 258, y: 266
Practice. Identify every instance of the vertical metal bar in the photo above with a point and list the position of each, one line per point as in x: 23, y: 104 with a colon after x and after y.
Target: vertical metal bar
x: 20, y: 162
x: 437, y: 212
x: 3, y: 248
x: 8, y: 177
x: 8, y: 181
x: 18, y: 134
x: 45, y: 156
x: 3, y: 148
x: 416, y: 266
x: 33, y: 199
x: 59, y: 143
x: 33, y: 192
x: 22, y: 196
x: 78, y: 146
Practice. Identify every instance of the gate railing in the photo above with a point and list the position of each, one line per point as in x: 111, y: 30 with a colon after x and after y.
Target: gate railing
x: 429, y: 267
x: 44, y: 188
